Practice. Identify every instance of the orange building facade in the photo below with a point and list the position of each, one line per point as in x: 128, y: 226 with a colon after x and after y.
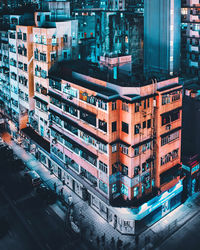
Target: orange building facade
x: 116, y: 145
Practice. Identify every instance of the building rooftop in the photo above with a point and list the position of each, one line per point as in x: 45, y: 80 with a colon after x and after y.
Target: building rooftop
x: 63, y: 70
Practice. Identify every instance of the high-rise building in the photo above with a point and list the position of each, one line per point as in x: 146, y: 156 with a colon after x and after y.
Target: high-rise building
x: 162, y: 20
x: 190, y: 53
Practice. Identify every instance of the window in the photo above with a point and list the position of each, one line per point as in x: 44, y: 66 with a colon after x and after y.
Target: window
x: 103, y: 125
x: 136, y: 151
x: 137, y: 106
x: 38, y: 18
x: 165, y: 99
x: 137, y: 128
x: 70, y: 128
x: 149, y: 123
x: 169, y: 138
x: 144, y: 124
x: 136, y: 191
x: 24, y: 36
x: 114, y: 148
x: 103, y: 186
x: 103, y: 167
x: 144, y: 148
x: 102, y: 147
x: 124, y: 169
x: 143, y: 167
x: 175, y: 96
x: 124, y: 190
x: 125, y: 106
x: 170, y: 117
x: 124, y: 149
x: 136, y: 170
x: 102, y: 104
x: 55, y: 84
x: 125, y: 127
x: 43, y: 57
x: 47, y: 18
x: 145, y: 104
x: 114, y: 188
x: 148, y: 102
x: 169, y: 157
x: 25, y: 67
x: 114, y: 105
x: 114, y: 126
x: 56, y: 102
x: 53, y: 56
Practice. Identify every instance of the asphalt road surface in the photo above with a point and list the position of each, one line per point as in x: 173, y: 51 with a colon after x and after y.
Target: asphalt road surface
x: 33, y: 225
x: 186, y: 238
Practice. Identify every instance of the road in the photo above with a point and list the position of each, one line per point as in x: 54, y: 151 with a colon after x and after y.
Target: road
x: 186, y: 237
x: 33, y: 225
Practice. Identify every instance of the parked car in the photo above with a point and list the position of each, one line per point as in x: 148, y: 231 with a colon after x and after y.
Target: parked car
x: 4, y: 227
x: 46, y: 193
x: 33, y: 178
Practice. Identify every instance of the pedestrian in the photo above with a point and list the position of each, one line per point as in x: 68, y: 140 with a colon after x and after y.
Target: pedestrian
x: 70, y: 200
x: 61, y: 191
x: 103, y: 237
x: 97, y: 240
x: 55, y: 186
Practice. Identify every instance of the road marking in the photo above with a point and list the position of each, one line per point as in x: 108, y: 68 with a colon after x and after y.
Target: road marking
x: 29, y: 222
x: 47, y: 212
x: 47, y: 245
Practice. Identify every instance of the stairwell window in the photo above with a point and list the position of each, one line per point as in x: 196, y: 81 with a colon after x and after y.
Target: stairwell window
x: 137, y: 107
x: 124, y: 149
x: 137, y: 128
x: 136, y: 151
x: 136, y: 170
x: 124, y: 169
x: 114, y: 105
x: 114, y: 148
x: 125, y: 106
x: 125, y: 127
x: 114, y: 126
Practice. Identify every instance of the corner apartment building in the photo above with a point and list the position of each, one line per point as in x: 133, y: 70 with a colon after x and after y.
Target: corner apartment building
x: 116, y: 143
x: 190, y: 37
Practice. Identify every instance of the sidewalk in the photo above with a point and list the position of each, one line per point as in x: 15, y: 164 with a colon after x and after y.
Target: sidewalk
x: 86, y: 216
x: 93, y: 225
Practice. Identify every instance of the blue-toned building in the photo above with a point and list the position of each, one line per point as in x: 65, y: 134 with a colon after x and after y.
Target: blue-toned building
x: 162, y: 20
